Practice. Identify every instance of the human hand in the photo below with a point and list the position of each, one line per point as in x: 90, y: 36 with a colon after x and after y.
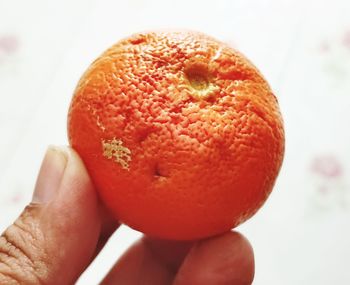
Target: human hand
x: 63, y: 229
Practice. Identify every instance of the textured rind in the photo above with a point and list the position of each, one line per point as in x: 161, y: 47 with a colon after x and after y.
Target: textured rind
x: 199, y: 165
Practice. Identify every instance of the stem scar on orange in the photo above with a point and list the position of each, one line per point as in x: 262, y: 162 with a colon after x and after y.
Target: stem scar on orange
x: 181, y: 134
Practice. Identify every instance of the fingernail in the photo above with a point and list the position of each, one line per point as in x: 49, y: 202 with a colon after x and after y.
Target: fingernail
x: 50, y: 175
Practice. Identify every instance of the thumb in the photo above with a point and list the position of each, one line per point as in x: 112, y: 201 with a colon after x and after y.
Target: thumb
x: 55, y: 237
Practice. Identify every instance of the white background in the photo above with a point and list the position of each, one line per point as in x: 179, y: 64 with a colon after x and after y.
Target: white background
x: 302, y: 234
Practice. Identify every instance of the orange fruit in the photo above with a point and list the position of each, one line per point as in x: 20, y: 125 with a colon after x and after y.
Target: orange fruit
x: 181, y: 134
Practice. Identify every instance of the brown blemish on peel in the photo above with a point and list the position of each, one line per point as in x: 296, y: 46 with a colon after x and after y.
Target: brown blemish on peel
x: 114, y: 149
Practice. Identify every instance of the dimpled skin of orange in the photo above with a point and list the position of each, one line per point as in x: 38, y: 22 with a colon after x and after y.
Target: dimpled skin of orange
x: 181, y: 134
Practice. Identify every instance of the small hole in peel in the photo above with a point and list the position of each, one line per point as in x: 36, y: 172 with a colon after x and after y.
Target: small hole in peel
x: 158, y: 172
x: 142, y: 135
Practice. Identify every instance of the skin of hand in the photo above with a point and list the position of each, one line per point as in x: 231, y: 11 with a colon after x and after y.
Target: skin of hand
x: 65, y: 226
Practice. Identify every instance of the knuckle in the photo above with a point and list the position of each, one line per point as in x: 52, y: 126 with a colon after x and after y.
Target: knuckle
x: 21, y: 256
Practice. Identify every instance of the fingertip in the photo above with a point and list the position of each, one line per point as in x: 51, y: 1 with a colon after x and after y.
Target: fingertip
x: 224, y: 259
